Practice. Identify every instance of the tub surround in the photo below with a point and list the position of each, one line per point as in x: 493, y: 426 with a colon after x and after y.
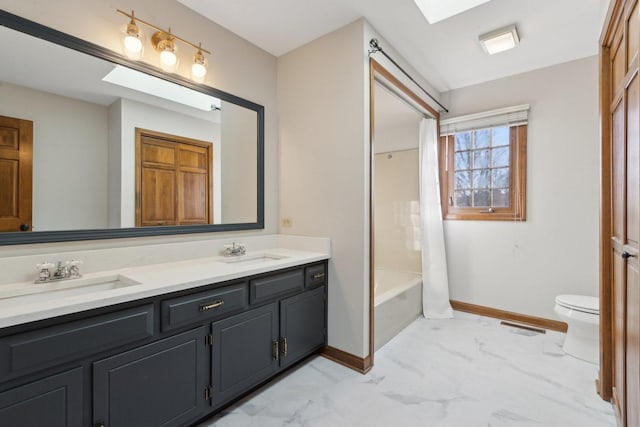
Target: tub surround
x: 158, y: 269
x: 398, y: 302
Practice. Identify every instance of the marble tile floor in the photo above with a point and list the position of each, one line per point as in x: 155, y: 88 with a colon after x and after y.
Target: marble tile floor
x: 464, y: 372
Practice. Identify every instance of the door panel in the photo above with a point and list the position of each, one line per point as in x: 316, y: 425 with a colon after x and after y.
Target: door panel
x: 634, y: 35
x: 633, y: 158
x: 55, y: 401
x: 633, y: 346
x: 158, y: 197
x: 302, y: 322
x: 243, y: 352
x: 194, y: 188
x: 136, y: 389
x: 16, y: 152
x: 618, y: 181
x: 619, y: 303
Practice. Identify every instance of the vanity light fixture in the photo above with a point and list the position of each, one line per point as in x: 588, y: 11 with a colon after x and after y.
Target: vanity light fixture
x: 499, y: 40
x: 164, y: 42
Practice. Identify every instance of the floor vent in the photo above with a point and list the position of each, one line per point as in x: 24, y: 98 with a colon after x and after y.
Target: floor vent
x: 527, y: 327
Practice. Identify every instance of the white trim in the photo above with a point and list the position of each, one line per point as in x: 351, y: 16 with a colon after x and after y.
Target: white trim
x: 511, y: 116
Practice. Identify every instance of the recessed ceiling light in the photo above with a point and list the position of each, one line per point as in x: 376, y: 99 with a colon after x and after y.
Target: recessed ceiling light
x: 437, y: 10
x: 499, y: 40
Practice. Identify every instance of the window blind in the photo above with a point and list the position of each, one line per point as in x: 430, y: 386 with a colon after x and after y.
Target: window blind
x: 510, y: 116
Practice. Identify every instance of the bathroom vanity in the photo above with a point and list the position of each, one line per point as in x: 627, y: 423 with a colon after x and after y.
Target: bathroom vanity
x: 156, y: 334
x: 167, y: 359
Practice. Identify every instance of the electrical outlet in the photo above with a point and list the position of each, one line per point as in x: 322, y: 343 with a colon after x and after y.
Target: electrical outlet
x: 287, y: 222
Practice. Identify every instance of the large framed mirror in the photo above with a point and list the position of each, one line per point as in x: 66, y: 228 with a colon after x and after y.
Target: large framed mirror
x: 96, y: 146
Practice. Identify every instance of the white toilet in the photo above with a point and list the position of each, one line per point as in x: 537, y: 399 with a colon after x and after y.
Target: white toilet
x: 582, y: 314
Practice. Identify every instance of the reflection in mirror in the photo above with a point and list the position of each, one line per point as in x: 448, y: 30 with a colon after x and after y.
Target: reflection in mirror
x: 108, y: 151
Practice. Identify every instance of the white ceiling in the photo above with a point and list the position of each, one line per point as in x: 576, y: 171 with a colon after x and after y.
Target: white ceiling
x: 447, y: 53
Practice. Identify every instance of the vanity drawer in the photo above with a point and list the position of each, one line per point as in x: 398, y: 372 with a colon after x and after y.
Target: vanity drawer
x: 39, y: 349
x: 315, y: 276
x: 181, y: 311
x: 274, y: 286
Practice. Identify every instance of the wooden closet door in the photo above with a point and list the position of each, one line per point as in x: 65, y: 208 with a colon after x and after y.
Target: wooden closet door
x: 624, y: 119
x: 16, y: 171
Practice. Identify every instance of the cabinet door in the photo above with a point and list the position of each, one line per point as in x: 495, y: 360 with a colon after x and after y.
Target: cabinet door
x: 160, y: 384
x: 244, y: 352
x: 55, y: 401
x: 302, y: 325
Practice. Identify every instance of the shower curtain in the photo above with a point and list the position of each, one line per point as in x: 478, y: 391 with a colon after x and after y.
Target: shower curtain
x: 435, y: 283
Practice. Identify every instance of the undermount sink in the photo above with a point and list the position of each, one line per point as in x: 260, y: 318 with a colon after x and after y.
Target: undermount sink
x: 34, y: 293
x: 253, y: 259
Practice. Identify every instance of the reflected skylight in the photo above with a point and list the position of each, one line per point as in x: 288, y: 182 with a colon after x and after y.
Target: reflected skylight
x: 142, y: 82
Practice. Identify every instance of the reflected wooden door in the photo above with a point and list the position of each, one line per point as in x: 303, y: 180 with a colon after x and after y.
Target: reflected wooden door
x: 16, y: 171
x: 173, y: 180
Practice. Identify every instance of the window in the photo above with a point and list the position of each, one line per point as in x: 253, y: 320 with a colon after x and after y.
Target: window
x: 483, y: 166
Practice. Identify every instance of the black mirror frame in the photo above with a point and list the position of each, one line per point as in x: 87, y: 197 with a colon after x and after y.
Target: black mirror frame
x: 49, y: 34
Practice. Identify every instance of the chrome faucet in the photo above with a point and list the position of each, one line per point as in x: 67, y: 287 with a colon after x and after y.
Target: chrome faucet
x: 234, y: 249
x: 63, y: 271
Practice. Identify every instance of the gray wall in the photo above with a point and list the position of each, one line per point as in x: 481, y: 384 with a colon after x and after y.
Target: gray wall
x: 521, y: 267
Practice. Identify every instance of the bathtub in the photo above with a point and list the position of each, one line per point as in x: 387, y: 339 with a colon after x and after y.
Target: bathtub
x: 397, y: 303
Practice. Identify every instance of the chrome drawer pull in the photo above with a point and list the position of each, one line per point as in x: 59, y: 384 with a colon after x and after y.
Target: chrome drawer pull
x: 318, y: 276
x: 215, y: 304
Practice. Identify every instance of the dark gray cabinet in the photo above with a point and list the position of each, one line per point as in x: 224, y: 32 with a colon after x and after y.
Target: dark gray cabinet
x: 244, y: 352
x: 252, y: 346
x: 54, y: 401
x: 160, y: 384
x: 167, y: 360
x: 302, y: 325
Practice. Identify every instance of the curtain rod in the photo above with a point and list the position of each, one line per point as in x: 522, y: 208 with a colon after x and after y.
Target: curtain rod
x: 375, y: 47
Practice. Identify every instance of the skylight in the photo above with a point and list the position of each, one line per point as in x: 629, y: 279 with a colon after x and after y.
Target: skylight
x: 438, y: 10
x: 132, y: 79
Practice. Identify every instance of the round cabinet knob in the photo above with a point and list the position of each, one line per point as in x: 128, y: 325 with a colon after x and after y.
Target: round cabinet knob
x: 24, y: 227
x: 627, y: 255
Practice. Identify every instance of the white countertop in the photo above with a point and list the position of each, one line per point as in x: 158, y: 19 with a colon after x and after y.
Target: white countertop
x: 156, y: 279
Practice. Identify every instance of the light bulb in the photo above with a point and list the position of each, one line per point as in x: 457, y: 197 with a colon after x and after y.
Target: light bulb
x: 168, y: 58
x: 198, y: 71
x: 132, y: 45
x: 199, y: 66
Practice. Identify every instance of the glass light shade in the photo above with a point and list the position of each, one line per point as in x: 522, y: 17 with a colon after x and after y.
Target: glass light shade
x: 132, y: 41
x: 198, y: 71
x: 168, y: 59
x: 132, y: 45
x: 199, y: 67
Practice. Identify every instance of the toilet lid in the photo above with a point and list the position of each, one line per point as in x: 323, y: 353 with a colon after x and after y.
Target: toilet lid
x: 579, y: 303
